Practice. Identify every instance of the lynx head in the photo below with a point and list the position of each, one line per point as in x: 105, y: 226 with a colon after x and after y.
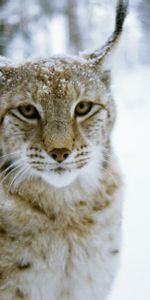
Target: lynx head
x: 56, y: 117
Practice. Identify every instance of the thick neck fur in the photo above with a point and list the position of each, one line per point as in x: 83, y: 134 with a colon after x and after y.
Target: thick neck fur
x: 39, y: 195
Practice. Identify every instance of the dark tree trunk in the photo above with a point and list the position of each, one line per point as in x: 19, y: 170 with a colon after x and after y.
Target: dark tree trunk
x: 75, y: 38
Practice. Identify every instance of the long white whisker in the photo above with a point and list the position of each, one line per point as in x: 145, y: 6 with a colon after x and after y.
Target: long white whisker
x: 10, y: 167
x: 5, y: 177
x: 9, y: 154
x: 83, y: 151
x: 25, y: 170
x: 109, y: 174
x: 80, y: 160
x: 21, y: 172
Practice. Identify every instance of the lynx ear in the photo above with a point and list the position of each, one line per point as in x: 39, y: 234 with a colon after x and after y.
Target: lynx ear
x: 99, y: 55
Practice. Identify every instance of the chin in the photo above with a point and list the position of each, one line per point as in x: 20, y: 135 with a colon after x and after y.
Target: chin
x: 60, y: 178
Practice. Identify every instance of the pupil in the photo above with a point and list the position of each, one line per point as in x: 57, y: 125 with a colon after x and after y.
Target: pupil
x: 81, y: 105
x: 28, y: 108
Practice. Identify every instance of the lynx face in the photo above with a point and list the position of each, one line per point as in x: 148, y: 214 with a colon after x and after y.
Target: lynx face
x: 56, y: 118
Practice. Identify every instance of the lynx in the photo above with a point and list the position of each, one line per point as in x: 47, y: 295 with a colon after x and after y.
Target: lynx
x: 60, y: 185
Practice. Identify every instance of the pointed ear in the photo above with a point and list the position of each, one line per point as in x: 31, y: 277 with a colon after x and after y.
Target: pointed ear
x: 98, y: 56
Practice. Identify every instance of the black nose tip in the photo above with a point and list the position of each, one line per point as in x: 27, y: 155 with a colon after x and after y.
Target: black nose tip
x: 60, y: 154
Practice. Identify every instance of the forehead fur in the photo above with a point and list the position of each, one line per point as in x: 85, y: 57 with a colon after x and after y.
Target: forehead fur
x: 54, y: 73
x: 66, y: 79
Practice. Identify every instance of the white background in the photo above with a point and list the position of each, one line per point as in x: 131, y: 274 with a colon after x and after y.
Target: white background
x: 132, y: 142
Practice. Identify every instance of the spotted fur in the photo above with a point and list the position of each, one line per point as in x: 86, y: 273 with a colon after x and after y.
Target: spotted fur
x: 60, y: 222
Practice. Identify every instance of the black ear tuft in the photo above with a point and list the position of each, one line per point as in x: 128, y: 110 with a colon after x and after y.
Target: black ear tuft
x: 98, y: 55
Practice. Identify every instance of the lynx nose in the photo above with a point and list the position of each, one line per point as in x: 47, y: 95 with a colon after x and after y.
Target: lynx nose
x: 59, y: 154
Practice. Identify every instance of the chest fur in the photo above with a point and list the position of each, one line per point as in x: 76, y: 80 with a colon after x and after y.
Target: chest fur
x: 66, y: 255
x: 67, y: 258
x: 73, y: 268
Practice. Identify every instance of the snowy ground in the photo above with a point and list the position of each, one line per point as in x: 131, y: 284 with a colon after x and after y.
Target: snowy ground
x: 132, y: 141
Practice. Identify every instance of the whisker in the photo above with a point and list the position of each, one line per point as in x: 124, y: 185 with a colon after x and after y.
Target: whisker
x: 11, y: 171
x: 10, y: 166
x: 21, y: 172
x: 75, y: 162
x: 33, y: 163
x: 5, y: 177
x: 79, y: 166
x: 109, y: 174
x: 67, y: 164
x: 82, y: 153
x: 9, y: 154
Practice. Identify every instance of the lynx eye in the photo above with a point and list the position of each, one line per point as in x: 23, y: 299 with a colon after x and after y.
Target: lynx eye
x: 83, y: 108
x: 28, y: 111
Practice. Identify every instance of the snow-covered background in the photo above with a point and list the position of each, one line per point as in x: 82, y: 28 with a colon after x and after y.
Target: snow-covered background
x: 32, y: 28
x: 132, y: 142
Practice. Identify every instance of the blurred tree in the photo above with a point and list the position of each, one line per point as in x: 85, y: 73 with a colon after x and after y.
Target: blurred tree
x: 30, y: 27
x: 75, y: 36
x: 16, y: 19
x: 26, y: 25
x: 5, y: 30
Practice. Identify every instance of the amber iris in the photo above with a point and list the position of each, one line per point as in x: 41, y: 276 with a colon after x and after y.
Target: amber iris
x: 28, y: 111
x: 83, y: 108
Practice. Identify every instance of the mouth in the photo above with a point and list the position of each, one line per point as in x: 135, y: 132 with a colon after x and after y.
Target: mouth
x: 60, y: 174
x: 60, y: 170
x: 59, y: 177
